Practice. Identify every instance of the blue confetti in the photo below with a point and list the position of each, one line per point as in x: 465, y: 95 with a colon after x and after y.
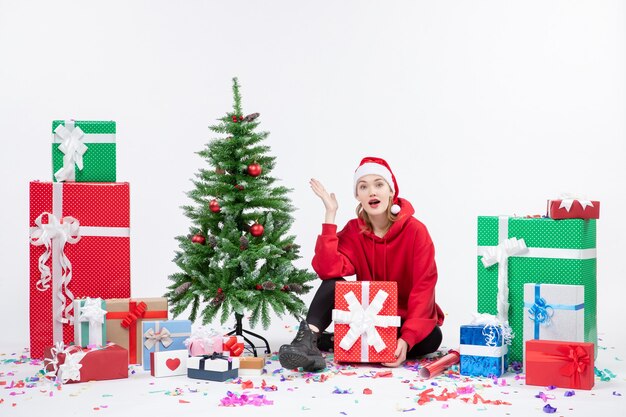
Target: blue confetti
x: 570, y: 393
x: 549, y: 409
x: 617, y: 394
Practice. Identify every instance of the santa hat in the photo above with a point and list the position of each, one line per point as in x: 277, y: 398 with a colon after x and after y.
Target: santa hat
x: 378, y: 166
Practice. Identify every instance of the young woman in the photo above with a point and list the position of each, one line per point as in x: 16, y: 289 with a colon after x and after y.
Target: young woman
x: 384, y: 243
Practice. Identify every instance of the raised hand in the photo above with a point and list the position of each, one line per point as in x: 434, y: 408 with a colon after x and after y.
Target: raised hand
x: 329, y: 200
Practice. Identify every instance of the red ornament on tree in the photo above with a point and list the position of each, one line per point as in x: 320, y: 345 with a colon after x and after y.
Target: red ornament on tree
x: 219, y: 291
x: 254, y: 170
x: 257, y: 230
x: 259, y: 287
x: 198, y: 238
x: 285, y: 288
x: 214, y: 206
x: 239, y: 187
x: 235, y: 119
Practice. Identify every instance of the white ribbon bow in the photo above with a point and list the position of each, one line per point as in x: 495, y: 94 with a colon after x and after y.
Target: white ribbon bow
x: 65, y: 231
x: 73, y: 149
x: 364, y: 321
x: 500, y: 254
x: 568, y: 199
x: 70, y: 369
x: 153, y: 338
x: 93, y: 313
x: 492, y: 328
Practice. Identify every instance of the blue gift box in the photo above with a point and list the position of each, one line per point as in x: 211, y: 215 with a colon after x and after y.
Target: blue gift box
x: 482, y: 351
x: 163, y: 335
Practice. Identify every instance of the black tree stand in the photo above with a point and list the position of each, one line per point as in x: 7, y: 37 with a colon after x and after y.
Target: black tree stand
x: 239, y: 331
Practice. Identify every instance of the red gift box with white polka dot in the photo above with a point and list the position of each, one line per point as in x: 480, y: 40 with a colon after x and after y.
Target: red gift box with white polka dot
x: 389, y: 335
x: 94, y: 221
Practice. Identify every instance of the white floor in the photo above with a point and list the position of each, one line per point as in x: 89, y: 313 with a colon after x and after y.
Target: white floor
x: 312, y: 394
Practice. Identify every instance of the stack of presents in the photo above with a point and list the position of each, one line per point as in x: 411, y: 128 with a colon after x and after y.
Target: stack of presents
x: 536, y: 299
x: 82, y: 319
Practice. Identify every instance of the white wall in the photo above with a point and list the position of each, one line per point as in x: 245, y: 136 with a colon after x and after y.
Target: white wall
x: 481, y: 107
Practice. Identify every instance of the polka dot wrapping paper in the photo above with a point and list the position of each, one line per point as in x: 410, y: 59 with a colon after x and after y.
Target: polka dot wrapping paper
x: 99, y: 159
x: 559, y: 252
x: 99, y: 260
x: 389, y: 335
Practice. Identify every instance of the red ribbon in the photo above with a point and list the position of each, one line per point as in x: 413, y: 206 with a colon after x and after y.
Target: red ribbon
x: 232, y: 345
x: 137, y: 311
x: 575, y: 359
x: 130, y: 320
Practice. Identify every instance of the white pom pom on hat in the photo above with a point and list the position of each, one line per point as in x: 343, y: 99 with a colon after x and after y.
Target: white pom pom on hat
x: 378, y: 166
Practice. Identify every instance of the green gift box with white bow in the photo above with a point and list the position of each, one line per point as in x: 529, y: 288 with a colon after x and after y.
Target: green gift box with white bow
x: 90, y: 322
x: 83, y: 151
x: 513, y: 251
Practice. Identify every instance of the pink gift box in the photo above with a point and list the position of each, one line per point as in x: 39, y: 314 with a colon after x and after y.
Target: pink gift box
x: 205, y: 346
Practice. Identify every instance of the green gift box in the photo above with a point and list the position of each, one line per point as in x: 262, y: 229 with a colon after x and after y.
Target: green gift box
x: 558, y: 252
x: 83, y: 151
x: 90, y: 322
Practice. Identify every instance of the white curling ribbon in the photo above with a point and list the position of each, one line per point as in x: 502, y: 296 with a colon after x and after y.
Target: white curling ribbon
x: 500, y: 254
x: 568, y: 199
x: 152, y: 338
x: 73, y: 150
x: 70, y: 369
x: 364, y: 321
x: 93, y: 313
x: 65, y: 231
x: 492, y: 328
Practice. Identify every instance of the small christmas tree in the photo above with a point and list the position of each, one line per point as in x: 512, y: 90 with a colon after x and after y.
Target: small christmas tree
x: 238, y: 256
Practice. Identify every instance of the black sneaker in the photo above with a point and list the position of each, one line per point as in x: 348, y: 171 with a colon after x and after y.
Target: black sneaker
x: 326, y: 342
x: 302, y: 352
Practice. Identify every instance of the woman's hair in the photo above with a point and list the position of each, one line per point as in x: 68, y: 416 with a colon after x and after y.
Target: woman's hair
x: 362, y: 214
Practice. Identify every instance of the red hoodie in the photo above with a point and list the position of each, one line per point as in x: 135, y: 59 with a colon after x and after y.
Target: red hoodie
x: 405, y: 254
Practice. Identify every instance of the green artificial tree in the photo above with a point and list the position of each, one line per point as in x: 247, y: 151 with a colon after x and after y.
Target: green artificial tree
x: 238, y: 256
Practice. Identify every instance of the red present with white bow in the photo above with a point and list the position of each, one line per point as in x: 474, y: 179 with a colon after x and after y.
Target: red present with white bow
x: 233, y: 345
x: 571, y: 207
x: 168, y: 363
x: 72, y: 363
x: 80, y: 247
x: 366, y: 321
x: 559, y: 363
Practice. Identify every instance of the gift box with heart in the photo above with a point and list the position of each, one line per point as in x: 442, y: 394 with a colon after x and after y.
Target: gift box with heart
x: 168, y: 363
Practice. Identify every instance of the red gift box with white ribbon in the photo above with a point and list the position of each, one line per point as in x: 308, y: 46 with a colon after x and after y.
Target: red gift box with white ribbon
x: 72, y: 363
x: 80, y: 247
x: 569, y: 207
x: 366, y: 321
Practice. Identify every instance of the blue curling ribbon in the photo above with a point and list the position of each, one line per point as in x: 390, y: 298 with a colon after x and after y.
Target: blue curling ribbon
x: 540, y: 312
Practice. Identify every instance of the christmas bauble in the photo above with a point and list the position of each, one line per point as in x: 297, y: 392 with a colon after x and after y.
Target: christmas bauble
x: 235, y: 119
x: 256, y: 230
x: 239, y: 187
x: 254, y: 170
x: 214, y: 206
x: 198, y: 238
x: 259, y: 287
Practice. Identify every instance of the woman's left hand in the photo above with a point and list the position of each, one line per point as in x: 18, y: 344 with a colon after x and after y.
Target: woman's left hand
x: 400, y: 354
